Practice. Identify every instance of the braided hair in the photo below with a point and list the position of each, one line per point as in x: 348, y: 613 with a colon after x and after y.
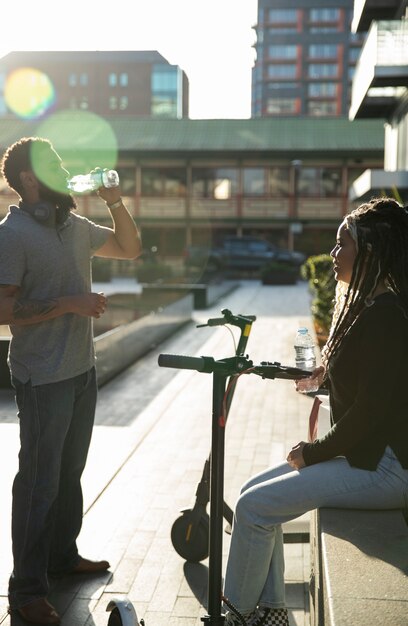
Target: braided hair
x: 379, y: 229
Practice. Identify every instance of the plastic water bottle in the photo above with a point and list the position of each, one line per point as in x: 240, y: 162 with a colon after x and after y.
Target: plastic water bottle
x: 92, y: 181
x: 305, y: 359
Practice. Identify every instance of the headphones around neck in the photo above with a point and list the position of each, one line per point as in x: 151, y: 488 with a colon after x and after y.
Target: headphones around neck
x: 42, y: 211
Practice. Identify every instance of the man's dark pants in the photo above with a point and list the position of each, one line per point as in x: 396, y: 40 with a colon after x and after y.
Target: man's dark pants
x: 56, y: 423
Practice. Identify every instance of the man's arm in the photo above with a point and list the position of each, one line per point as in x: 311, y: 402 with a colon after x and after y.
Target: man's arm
x: 124, y: 242
x: 22, y: 311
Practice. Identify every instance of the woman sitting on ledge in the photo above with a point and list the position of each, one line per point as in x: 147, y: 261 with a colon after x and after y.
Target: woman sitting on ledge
x: 362, y: 462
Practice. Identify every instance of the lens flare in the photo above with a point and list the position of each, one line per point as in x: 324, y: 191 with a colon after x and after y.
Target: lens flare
x: 82, y: 139
x: 29, y: 93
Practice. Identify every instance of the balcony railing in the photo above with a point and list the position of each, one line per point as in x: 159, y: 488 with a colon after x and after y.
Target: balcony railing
x: 383, y: 63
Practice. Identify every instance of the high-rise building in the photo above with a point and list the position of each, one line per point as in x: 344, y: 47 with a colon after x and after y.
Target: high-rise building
x: 124, y: 83
x: 306, y: 55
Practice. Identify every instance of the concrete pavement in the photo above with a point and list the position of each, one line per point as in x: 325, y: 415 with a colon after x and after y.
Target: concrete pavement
x: 151, y: 439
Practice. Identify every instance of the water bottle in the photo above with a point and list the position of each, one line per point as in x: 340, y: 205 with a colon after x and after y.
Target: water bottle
x: 305, y: 359
x: 92, y: 181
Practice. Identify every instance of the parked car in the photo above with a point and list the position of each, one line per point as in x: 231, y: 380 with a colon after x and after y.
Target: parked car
x: 251, y: 253
x: 241, y: 254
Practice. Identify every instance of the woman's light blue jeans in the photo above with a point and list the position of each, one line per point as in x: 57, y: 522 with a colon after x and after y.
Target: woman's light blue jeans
x: 56, y: 423
x: 255, y: 568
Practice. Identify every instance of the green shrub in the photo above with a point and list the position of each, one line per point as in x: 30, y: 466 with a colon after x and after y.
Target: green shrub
x: 318, y: 271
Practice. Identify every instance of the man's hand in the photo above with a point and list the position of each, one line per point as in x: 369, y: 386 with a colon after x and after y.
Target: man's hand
x: 295, y: 456
x: 86, y: 304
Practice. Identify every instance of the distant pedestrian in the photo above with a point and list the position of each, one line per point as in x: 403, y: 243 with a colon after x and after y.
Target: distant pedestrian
x: 362, y: 462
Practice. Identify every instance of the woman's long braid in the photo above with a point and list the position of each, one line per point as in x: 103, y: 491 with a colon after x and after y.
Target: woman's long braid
x: 380, y: 231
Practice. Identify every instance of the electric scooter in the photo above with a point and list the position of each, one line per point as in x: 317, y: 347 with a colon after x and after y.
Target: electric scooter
x: 122, y: 612
x: 190, y: 531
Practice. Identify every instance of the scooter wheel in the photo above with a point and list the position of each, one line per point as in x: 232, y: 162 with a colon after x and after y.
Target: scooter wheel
x: 189, y: 538
x: 115, y: 618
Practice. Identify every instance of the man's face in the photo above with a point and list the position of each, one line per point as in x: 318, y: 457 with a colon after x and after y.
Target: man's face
x: 52, y: 177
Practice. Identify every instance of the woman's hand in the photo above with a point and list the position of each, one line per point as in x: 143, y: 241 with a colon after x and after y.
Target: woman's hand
x: 295, y: 456
x: 312, y: 382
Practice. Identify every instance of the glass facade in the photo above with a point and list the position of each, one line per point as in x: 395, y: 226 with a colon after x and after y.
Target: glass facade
x: 217, y: 183
x: 282, y: 52
x: 166, y: 91
x: 281, y: 106
x: 323, y: 70
x: 164, y: 181
x: 319, y: 181
x: 283, y: 15
x: 282, y: 71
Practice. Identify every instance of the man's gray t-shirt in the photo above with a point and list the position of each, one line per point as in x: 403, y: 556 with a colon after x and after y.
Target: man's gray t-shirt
x: 48, y: 262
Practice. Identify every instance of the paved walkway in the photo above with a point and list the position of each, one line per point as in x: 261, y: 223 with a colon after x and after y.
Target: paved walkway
x: 151, y: 438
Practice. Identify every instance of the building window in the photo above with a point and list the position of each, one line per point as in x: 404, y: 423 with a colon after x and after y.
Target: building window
x: 254, y: 181
x: 123, y: 103
x: 166, y: 91
x: 323, y: 70
x: 282, y: 71
x: 163, y: 181
x: 83, y: 104
x: 319, y: 181
x: 283, y: 15
x: 113, y: 79
x: 113, y: 103
x: 164, y: 106
x: 285, y: 85
x: 354, y: 53
x: 323, y: 51
x: 123, y: 79
x: 164, y: 78
x: 324, y: 15
x: 127, y: 177
x: 216, y: 183
x: 322, y: 90
x: 282, y: 52
x: 278, y: 181
x: 72, y: 80
x: 317, y: 108
x: 281, y: 106
x: 83, y: 79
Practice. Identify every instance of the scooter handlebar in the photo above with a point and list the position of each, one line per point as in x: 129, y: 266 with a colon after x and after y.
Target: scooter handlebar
x: 182, y: 362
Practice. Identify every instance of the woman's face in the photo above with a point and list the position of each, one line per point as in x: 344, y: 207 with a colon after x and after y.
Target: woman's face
x: 344, y: 254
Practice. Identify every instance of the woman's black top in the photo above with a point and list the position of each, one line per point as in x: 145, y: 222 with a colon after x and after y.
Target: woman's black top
x: 368, y: 387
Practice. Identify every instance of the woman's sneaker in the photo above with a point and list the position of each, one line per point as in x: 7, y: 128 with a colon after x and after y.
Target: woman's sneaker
x: 259, y: 617
x: 272, y: 617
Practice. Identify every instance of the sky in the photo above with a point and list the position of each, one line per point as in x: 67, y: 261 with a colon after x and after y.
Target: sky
x: 211, y: 40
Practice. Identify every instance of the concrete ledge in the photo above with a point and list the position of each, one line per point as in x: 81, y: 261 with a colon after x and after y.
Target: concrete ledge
x: 359, y: 563
x: 122, y: 346
x: 204, y: 295
x: 359, y: 568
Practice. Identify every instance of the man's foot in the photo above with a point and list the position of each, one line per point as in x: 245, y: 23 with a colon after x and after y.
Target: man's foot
x: 39, y: 612
x: 85, y: 566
